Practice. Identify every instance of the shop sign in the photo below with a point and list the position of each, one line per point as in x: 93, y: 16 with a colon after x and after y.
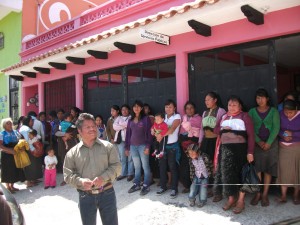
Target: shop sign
x: 3, y: 100
x: 1, y: 40
x: 153, y: 36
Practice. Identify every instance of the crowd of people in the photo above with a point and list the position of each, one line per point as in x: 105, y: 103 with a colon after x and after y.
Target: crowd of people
x: 205, y: 152
x: 47, y: 138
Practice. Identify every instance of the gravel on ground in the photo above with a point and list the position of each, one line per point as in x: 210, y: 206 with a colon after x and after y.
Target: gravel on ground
x: 58, y: 206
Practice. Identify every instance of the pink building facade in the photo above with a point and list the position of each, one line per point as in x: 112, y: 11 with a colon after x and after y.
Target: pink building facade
x: 99, y: 58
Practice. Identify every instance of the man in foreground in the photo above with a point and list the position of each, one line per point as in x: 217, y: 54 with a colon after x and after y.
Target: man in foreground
x: 91, y: 166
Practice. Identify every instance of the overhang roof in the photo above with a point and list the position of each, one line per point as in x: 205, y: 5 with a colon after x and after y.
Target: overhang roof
x: 7, y: 6
x: 211, y: 14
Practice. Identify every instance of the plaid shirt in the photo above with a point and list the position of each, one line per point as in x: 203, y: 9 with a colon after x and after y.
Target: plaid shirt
x: 208, y: 165
x: 200, y: 169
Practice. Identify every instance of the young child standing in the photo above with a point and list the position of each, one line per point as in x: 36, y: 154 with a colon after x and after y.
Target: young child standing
x: 50, y: 168
x: 101, y: 127
x: 203, y: 170
x: 67, y: 126
x: 159, y: 127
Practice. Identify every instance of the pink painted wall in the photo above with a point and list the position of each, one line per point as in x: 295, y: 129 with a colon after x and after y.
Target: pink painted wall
x: 29, y: 92
x: 79, y: 89
x: 144, y: 9
x: 278, y: 23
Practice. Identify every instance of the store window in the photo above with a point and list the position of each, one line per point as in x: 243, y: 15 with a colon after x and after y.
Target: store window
x: 140, y: 72
x: 116, y: 78
x: 92, y: 82
x: 254, y: 56
x: 204, y: 63
x: 166, y: 69
x: 105, y: 79
x: 134, y: 74
x: 228, y: 60
x: 14, y: 99
x: 150, y: 71
x: 151, y: 81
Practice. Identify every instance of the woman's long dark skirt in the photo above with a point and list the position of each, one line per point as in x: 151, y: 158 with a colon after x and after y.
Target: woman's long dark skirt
x: 9, y: 172
x: 62, y: 151
x: 208, y: 146
x: 184, y: 170
x: 34, y: 170
x: 232, y: 158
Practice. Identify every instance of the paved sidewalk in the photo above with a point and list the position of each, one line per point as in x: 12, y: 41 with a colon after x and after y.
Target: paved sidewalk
x: 59, y: 206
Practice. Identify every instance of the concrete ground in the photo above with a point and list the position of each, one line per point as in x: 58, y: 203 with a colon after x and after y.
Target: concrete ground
x: 59, y: 206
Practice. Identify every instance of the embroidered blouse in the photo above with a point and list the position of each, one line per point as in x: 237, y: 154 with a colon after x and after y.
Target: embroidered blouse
x: 218, y: 113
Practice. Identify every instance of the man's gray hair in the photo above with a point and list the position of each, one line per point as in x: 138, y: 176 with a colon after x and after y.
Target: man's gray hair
x: 82, y: 117
x: 5, y: 121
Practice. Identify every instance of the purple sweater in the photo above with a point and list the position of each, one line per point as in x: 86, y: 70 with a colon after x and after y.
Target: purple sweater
x: 138, y: 133
x: 290, y: 125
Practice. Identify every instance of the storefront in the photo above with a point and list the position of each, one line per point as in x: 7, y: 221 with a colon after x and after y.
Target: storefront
x: 213, y: 46
x: 152, y: 82
x: 241, y: 69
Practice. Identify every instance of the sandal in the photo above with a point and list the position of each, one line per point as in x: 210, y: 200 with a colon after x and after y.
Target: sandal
x: 296, y: 201
x: 255, y: 199
x: 265, y: 201
x: 228, y: 205
x: 280, y: 200
x: 239, y: 208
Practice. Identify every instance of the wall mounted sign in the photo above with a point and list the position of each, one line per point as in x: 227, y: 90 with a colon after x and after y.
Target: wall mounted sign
x: 33, y: 100
x: 3, y: 102
x: 153, y: 36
